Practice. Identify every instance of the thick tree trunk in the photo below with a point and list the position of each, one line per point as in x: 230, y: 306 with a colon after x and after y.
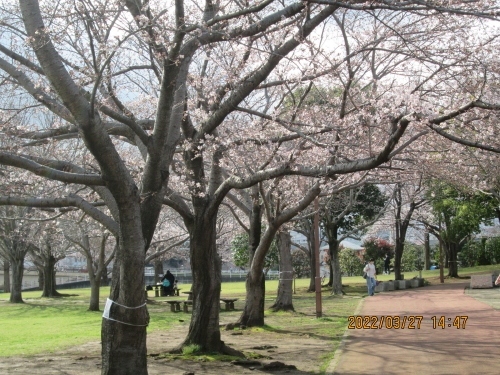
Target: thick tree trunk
x: 336, y: 276
x: 95, y: 281
x: 204, y: 329
x: 40, y: 277
x: 123, y: 333
x: 452, y: 259
x: 49, y: 278
x: 285, y: 286
x: 427, y: 249
x: 95, y: 285
x: 6, y: 276
x: 17, y: 280
x: 335, y: 281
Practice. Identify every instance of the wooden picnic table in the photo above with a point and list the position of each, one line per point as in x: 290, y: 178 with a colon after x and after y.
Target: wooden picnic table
x: 229, y: 303
x: 158, y: 289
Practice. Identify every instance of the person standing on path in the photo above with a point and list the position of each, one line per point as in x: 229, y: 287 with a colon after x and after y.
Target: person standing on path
x: 387, y: 264
x: 371, y: 277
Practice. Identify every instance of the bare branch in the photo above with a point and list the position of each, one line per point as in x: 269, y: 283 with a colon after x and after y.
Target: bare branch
x: 50, y: 173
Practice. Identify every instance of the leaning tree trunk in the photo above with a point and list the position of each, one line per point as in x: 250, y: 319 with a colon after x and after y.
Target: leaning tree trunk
x: 336, y: 274
x: 285, y: 286
x: 206, y: 264
x: 123, y: 331
x: 6, y: 276
x: 253, y: 312
x: 17, y: 280
x: 49, y: 278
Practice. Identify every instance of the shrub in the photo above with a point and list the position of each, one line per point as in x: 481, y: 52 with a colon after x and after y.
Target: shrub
x: 412, y: 259
x: 350, y: 264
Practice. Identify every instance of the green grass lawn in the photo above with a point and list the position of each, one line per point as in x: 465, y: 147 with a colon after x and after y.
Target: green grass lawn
x: 44, y: 325
x: 51, y: 324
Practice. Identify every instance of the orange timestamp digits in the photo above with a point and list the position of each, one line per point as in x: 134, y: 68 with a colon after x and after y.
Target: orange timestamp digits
x: 443, y: 321
x: 385, y: 321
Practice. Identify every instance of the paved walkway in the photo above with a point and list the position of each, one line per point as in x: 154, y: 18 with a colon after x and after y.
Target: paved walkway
x: 428, y: 350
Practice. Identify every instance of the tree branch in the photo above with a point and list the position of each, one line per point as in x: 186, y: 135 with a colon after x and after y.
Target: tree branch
x: 50, y: 173
x: 70, y: 201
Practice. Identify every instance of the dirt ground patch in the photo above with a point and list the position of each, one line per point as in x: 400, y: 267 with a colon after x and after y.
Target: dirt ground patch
x: 304, y: 351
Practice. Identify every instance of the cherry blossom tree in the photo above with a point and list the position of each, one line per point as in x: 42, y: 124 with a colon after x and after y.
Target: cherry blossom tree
x: 16, y: 236
x: 348, y: 213
x: 46, y: 250
x: 279, y: 210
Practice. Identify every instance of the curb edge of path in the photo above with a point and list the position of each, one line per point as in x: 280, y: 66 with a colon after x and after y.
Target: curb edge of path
x: 338, y: 353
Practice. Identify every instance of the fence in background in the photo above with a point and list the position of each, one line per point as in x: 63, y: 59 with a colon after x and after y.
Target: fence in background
x: 186, y: 277
x: 69, y: 280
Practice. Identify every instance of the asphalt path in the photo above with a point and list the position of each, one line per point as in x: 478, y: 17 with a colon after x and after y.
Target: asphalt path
x: 423, y: 346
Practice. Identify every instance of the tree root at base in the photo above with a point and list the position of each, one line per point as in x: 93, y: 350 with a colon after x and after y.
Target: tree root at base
x: 223, y: 349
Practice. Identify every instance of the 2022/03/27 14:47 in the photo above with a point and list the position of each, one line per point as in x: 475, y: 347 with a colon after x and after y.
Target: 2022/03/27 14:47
x: 404, y: 322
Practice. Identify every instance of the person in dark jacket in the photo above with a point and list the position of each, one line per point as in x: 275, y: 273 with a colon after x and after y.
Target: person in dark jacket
x: 387, y: 264
x: 168, y: 281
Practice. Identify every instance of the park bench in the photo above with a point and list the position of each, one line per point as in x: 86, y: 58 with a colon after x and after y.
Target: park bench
x: 174, y: 305
x: 229, y: 303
